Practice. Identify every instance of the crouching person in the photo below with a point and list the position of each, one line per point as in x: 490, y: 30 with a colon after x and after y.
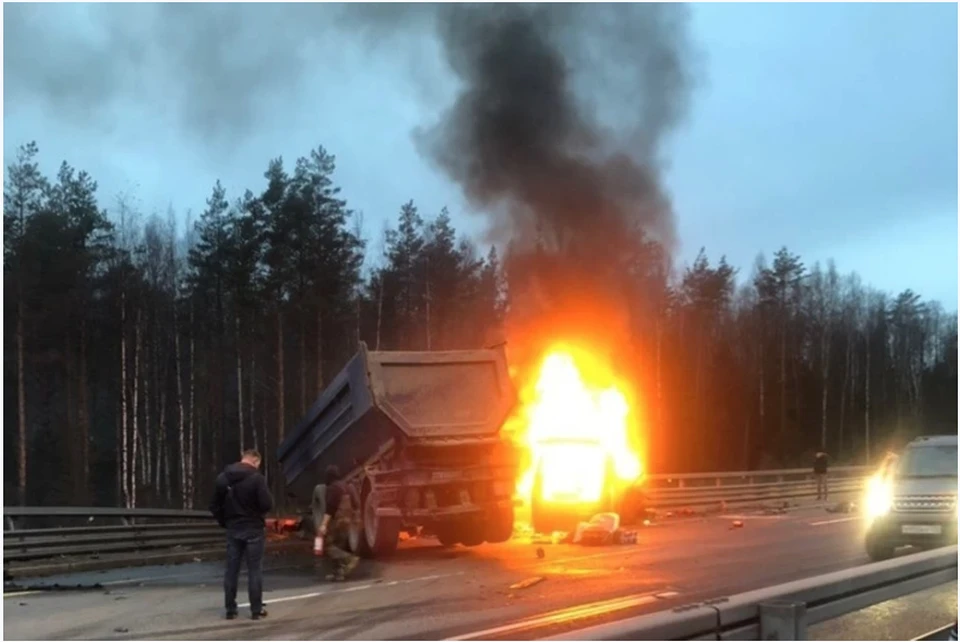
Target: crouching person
x: 332, y: 526
x: 240, y: 503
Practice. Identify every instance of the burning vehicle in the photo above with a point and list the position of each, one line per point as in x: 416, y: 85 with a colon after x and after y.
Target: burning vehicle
x: 575, y: 426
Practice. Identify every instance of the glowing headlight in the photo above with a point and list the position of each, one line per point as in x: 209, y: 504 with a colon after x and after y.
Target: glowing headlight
x: 879, y: 498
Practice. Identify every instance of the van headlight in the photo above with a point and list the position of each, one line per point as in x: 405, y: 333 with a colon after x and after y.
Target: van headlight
x: 879, y: 498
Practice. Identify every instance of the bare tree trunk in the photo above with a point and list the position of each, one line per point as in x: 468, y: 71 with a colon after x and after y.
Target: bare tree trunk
x: 428, y: 319
x: 182, y: 442
x: 843, y: 395
x: 165, y: 451
x: 281, y: 389
x: 124, y: 436
x: 84, y: 413
x: 159, y: 451
x: 379, y: 311
x: 702, y: 445
x: 236, y: 331
x: 783, y: 382
x: 763, y: 389
x: 253, y: 396
x: 135, y: 433
x: 824, y: 380
x: 866, y: 408
x: 319, y: 356
x: 149, y: 435
x: 70, y: 425
x: 21, y: 405
x: 357, y: 333
x: 193, y: 437
x: 303, y: 365
x: 281, y: 407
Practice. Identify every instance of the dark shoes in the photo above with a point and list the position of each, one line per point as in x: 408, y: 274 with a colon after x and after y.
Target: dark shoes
x: 232, y: 615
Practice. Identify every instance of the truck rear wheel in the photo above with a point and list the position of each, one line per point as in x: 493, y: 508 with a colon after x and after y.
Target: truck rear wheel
x: 468, y: 532
x: 499, y: 525
x: 447, y: 535
x: 381, y: 534
x: 472, y: 533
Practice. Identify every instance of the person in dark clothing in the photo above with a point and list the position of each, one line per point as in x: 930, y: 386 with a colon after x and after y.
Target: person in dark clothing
x: 240, y: 503
x: 820, y: 465
x: 332, y: 526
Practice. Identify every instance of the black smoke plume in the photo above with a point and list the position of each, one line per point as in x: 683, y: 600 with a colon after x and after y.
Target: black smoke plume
x: 557, y: 135
x: 558, y: 127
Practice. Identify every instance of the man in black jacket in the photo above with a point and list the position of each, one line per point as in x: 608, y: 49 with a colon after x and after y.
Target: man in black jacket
x: 820, y: 465
x: 240, y: 503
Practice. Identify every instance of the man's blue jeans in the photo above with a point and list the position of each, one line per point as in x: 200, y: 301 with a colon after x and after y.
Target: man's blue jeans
x: 251, y: 545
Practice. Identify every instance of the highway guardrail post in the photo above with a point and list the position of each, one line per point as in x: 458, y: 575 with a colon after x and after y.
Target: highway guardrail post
x: 783, y: 620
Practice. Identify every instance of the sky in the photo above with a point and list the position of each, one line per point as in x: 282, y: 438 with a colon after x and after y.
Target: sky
x: 828, y: 128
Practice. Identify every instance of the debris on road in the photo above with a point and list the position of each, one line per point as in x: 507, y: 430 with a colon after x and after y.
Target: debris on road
x: 527, y: 583
x: 842, y: 507
x: 540, y: 553
x: 603, y: 529
x: 736, y: 524
x: 121, y: 629
x: 599, y: 530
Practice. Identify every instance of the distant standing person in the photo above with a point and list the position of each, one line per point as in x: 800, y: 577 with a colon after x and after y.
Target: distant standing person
x: 820, y: 465
x: 240, y: 503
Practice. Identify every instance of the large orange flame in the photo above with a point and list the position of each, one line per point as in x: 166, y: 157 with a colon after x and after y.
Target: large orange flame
x: 574, y: 424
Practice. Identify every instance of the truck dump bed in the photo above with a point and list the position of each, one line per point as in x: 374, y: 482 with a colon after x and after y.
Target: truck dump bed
x: 385, y: 399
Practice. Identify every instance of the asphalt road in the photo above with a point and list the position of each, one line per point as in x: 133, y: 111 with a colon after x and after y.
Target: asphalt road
x: 427, y: 592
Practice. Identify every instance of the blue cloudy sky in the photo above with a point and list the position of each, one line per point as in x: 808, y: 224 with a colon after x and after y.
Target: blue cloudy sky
x: 829, y: 128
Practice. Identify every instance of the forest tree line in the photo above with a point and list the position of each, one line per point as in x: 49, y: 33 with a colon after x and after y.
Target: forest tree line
x: 139, y: 360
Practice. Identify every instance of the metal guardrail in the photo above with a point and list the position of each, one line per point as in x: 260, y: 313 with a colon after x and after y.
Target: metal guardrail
x: 748, y: 476
x: 785, y: 611
x: 693, y: 490
x: 82, y: 531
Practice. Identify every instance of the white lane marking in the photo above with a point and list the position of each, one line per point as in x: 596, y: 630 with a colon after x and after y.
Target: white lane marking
x: 570, y: 614
x: 835, y: 521
x: 351, y: 589
x: 20, y: 593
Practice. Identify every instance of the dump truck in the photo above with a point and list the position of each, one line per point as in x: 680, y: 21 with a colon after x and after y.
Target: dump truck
x: 416, y: 436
